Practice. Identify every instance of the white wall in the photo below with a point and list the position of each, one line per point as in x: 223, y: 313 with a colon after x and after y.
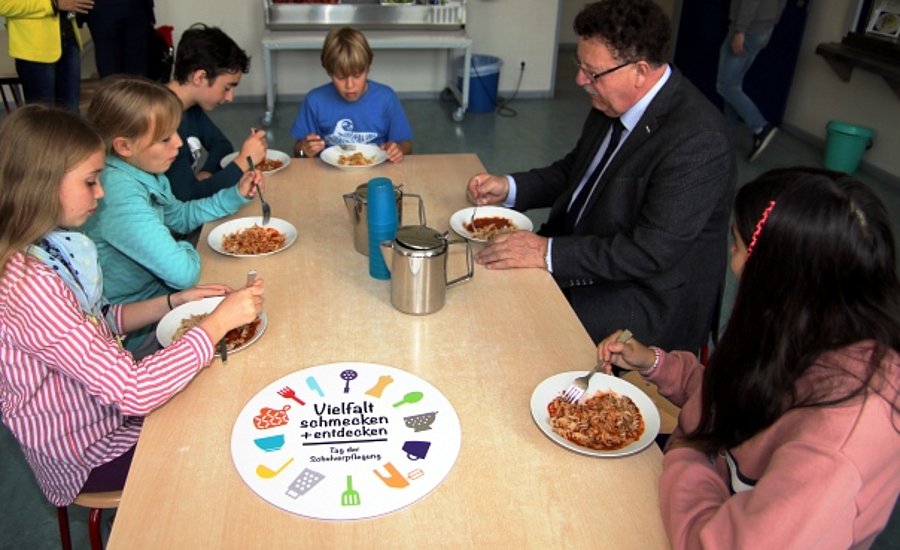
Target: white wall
x: 513, y: 30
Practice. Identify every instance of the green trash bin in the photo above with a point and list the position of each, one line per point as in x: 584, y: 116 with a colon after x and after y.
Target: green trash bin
x: 845, y: 145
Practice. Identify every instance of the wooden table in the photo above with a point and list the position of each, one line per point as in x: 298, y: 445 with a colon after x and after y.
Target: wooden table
x: 495, y: 340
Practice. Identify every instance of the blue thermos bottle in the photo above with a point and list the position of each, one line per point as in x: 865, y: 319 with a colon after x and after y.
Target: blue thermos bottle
x: 382, y: 220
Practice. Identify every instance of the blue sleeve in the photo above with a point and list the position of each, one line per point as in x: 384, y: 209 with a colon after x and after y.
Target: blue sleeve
x: 400, y: 129
x: 305, y: 122
x: 184, y: 217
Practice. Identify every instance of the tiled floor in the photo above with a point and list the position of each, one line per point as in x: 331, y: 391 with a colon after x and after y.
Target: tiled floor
x: 527, y: 133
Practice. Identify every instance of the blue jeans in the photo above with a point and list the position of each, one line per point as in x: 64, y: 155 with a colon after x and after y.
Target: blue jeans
x: 56, y: 83
x: 730, y: 80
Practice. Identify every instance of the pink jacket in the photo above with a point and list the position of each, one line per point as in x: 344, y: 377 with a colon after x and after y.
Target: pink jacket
x: 819, y: 477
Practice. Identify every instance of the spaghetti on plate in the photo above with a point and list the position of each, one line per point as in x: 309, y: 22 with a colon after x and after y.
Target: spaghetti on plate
x: 606, y: 421
x: 489, y: 227
x: 253, y: 240
x: 234, y: 338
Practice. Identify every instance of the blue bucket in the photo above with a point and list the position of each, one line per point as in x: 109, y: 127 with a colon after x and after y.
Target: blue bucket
x: 484, y: 79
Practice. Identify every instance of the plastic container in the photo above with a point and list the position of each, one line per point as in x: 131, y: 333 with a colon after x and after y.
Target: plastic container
x: 484, y: 78
x: 845, y: 145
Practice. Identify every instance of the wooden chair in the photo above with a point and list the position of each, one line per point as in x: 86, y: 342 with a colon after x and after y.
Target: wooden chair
x: 96, y: 502
x: 11, y: 93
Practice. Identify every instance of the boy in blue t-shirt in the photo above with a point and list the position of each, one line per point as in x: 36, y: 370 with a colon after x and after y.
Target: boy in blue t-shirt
x: 352, y: 108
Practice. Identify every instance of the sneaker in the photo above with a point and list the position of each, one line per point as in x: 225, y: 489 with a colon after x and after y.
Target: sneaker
x: 761, y: 141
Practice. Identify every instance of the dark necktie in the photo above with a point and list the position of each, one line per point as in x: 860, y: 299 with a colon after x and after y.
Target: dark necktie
x: 589, y: 184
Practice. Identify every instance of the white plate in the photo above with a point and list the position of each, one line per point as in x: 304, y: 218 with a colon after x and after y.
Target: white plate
x: 169, y: 324
x: 218, y: 234
x: 461, y: 217
x: 271, y: 154
x: 547, y: 390
x: 331, y: 155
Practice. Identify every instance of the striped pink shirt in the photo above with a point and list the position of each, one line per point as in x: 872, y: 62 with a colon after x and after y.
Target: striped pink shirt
x: 72, y: 397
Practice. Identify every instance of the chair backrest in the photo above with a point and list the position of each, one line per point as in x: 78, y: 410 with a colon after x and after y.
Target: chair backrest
x: 11, y: 93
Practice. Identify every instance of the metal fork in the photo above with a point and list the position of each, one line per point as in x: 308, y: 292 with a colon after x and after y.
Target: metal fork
x: 579, y: 386
x: 472, y: 219
x: 266, y: 209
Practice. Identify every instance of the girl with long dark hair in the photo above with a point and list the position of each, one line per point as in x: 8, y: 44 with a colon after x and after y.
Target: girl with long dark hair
x: 790, y: 436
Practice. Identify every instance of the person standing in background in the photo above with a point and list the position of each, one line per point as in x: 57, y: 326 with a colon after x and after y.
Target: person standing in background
x: 121, y: 31
x: 46, y: 45
x: 752, y: 22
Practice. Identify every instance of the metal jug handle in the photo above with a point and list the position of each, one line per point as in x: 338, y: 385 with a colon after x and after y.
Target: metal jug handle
x: 470, y: 262
x: 421, y: 206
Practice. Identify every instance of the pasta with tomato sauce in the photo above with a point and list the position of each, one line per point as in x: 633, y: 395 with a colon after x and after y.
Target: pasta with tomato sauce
x: 605, y: 421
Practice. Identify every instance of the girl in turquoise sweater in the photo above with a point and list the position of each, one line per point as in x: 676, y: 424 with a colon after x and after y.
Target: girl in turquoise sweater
x: 133, y: 227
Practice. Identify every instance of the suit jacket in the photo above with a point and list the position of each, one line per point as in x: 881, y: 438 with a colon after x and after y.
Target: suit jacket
x: 649, y: 253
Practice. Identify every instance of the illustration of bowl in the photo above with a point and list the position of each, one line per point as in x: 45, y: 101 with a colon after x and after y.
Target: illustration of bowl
x: 420, y: 422
x: 271, y: 443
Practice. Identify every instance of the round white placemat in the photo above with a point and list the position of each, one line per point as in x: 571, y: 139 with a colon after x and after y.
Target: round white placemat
x: 346, y: 441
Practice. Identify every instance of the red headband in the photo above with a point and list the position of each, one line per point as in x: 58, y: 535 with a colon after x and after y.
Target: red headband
x: 759, y: 227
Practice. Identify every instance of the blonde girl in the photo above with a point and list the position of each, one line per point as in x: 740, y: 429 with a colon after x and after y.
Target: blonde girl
x: 133, y: 229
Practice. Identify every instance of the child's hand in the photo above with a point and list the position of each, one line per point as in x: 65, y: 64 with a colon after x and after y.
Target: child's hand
x: 198, y: 293
x: 255, y: 147
x: 247, y: 186
x: 238, y: 308
x: 631, y: 354
x: 394, y: 154
x: 310, y: 146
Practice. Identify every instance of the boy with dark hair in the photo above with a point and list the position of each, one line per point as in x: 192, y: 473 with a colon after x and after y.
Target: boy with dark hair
x: 208, y: 66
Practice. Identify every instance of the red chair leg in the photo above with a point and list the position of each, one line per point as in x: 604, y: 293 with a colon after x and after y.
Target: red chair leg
x: 65, y: 539
x: 94, y: 529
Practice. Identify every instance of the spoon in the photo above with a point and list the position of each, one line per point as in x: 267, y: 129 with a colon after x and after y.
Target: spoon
x: 411, y: 397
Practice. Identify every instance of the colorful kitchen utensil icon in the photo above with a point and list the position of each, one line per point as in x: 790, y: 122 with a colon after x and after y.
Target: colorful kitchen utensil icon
x: 350, y: 497
x: 383, y: 382
x: 288, y: 393
x: 416, y: 450
x: 271, y: 418
x: 271, y: 443
x: 348, y: 375
x: 303, y: 483
x: 265, y: 472
x: 420, y: 422
x: 415, y: 474
x: 411, y: 397
x: 313, y: 384
x: 395, y: 479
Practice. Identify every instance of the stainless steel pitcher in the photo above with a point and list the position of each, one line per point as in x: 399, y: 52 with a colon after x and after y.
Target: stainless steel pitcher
x: 357, y: 205
x: 417, y: 260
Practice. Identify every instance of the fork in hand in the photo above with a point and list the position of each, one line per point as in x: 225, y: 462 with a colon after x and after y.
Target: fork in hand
x: 288, y: 393
x: 576, y: 390
x: 266, y: 210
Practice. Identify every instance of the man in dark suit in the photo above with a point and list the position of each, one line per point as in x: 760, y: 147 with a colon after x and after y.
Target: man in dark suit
x: 637, y: 232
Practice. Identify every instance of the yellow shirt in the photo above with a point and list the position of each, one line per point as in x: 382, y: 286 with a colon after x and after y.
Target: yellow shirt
x: 33, y: 30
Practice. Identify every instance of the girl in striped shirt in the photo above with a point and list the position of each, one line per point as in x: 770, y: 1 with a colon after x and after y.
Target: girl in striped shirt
x: 70, y: 394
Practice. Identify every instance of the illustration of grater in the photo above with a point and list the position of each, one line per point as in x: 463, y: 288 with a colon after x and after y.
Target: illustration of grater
x: 303, y: 483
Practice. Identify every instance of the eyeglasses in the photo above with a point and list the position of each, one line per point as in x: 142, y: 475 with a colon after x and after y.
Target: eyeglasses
x: 598, y: 75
